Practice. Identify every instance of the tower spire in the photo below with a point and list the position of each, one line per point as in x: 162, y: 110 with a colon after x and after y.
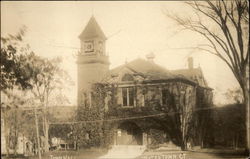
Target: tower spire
x: 92, y: 30
x: 92, y: 62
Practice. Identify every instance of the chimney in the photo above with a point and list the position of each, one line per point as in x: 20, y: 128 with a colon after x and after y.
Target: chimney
x: 190, y: 63
x: 150, y: 57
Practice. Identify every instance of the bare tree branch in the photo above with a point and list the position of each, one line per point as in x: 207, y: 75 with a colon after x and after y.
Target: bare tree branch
x: 230, y: 41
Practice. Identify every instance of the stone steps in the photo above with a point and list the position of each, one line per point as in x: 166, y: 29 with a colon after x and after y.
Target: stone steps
x: 124, y: 152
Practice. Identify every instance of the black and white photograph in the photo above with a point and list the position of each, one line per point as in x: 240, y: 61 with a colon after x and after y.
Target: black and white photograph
x: 125, y: 79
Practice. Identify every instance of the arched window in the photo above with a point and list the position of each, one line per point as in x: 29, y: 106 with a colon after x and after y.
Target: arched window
x: 127, y: 77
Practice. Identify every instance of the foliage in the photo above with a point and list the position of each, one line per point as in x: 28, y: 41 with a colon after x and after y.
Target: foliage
x: 37, y: 77
x: 234, y: 95
x: 157, y: 136
x: 46, y: 77
x: 178, y: 122
x: 203, y: 124
x: 227, y: 120
x: 19, y: 122
x: 90, y: 133
x: 13, y: 78
x: 62, y: 131
x: 11, y: 64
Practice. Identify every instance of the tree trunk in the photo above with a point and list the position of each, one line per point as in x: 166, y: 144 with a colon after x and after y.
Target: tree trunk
x: 16, y: 142
x: 201, y: 137
x: 246, y: 102
x: 37, y: 135
x: 46, y: 124
x: 6, y: 134
x: 46, y: 134
x: 15, y: 134
x: 237, y: 141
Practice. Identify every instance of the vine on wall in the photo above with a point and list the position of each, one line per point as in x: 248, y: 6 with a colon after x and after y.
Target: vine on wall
x: 178, y: 123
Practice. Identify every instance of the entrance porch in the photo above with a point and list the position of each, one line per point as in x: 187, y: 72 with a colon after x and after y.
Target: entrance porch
x: 129, y: 133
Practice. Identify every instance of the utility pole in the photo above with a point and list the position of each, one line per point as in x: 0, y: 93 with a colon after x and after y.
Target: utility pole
x: 46, y: 125
x: 37, y: 134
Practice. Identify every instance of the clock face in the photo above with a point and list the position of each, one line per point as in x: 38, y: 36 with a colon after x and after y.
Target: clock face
x: 88, y: 46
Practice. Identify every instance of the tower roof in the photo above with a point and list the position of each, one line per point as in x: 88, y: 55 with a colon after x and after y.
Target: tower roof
x: 92, y: 30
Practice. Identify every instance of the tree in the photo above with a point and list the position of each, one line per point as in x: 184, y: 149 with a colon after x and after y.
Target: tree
x: 19, y: 122
x: 234, y: 95
x: 186, y: 119
x: 46, y: 77
x: 227, y: 38
x: 226, y: 120
x: 11, y: 72
x: 22, y: 70
x: 12, y: 77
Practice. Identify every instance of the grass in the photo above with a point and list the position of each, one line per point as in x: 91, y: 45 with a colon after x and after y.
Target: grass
x: 80, y: 154
x: 96, y: 153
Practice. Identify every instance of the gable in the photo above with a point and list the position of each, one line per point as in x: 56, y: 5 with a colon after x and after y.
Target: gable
x: 118, y: 75
x: 143, y: 68
x: 194, y: 74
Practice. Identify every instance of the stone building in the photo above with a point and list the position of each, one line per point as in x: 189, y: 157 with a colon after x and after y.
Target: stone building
x: 141, y: 102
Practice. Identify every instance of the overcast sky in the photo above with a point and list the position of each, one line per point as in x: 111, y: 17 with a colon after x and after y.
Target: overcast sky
x: 134, y: 29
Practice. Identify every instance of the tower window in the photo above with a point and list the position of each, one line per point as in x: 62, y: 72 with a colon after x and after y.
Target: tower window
x: 100, y: 47
x: 128, y: 96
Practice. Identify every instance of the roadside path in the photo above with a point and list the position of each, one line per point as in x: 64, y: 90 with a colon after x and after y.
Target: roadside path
x: 186, y: 155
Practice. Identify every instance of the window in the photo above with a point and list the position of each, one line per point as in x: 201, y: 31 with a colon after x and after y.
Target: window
x: 100, y: 48
x: 166, y: 97
x: 128, y: 96
x: 127, y: 77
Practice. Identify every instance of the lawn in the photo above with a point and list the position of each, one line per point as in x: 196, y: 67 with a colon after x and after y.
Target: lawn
x: 96, y: 153
x: 80, y: 154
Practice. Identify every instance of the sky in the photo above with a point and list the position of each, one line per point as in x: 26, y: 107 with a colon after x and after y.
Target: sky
x: 134, y: 29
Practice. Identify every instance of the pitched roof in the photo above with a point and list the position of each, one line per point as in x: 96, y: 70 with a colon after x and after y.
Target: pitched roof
x: 152, y: 71
x: 194, y: 74
x: 145, y: 68
x: 92, y: 30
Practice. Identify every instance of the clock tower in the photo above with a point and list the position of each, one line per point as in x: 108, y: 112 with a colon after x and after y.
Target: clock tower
x: 92, y: 61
